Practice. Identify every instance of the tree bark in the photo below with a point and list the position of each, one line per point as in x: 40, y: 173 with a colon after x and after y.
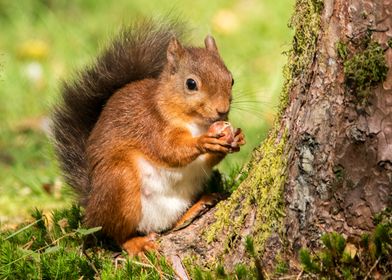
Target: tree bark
x: 327, y: 164
x: 340, y: 174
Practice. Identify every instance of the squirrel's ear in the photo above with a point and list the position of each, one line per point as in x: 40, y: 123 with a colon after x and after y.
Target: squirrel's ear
x: 210, y: 44
x: 174, y: 53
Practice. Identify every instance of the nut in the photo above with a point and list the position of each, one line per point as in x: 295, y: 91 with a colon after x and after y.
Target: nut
x: 224, y: 128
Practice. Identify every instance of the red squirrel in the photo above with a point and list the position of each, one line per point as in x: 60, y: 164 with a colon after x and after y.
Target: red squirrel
x: 132, y: 132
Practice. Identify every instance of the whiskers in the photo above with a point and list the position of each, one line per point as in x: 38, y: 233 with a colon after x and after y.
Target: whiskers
x: 250, y: 111
x: 246, y: 103
x: 205, y: 172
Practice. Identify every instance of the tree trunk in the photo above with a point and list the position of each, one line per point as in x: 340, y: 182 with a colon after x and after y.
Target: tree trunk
x: 327, y: 164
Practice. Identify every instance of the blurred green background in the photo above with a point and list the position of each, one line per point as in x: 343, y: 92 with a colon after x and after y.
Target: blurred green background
x: 45, y: 41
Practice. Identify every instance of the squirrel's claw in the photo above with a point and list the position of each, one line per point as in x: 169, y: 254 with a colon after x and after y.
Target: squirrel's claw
x: 239, y: 139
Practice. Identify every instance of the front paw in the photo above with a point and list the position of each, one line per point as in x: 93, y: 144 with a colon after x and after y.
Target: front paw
x: 222, y: 138
x: 239, y: 140
x: 212, y: 143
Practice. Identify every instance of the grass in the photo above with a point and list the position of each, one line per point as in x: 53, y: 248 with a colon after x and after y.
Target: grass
x: 57, y: 247
x: 43, y: 42
x: 52, y: 247
x: 367, y: 258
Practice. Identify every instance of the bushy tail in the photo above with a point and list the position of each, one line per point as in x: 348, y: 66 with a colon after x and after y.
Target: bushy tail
x: 138, y: 52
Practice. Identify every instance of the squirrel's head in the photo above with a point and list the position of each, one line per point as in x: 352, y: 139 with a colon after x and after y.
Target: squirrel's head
x: 197, y: 82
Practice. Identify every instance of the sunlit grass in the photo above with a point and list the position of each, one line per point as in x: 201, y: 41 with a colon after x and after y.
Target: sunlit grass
x: 43, y: 42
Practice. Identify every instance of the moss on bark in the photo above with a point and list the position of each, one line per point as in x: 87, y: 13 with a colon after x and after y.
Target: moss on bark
x: 261, y: 189
x: 366, y: 69
x: 306, y: 23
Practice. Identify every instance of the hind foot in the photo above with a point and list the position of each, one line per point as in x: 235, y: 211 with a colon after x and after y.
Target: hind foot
x: 137, y: 246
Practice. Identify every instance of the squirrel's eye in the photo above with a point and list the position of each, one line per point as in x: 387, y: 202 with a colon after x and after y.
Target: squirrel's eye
x: 232, y: 82
x: 191, y: 84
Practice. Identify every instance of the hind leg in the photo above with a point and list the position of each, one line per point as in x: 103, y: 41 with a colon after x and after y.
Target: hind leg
x: 115, y: 202
x: 199, y: 208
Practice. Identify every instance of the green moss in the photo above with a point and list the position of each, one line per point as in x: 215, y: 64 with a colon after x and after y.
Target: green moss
x: 389, y: 43
x: 342, y: 50
x: 340, y: 259
x: 307, y: 262
x: 240, y: 271
x: 282, y: 267
x: 366, y: 69
x: 249, y: 246
x: 306, y: 23
x: 384, y: 216
x: 334, y: 242
x: 261, y: 189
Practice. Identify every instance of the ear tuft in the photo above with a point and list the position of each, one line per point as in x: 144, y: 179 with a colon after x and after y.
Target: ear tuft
x: 210, y: 44
x: 174, y: 52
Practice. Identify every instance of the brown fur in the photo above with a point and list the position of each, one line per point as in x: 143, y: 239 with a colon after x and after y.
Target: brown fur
x: 148, y: 118
x: 138, y: 52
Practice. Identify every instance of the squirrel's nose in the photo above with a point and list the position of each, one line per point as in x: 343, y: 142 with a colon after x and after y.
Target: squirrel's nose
x: 222, y: 114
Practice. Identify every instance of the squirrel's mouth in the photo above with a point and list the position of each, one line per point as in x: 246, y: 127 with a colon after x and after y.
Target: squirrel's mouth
x: 206, y: 120
x: 217, y: 119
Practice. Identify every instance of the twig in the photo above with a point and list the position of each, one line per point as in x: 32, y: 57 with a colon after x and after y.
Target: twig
x: 178, y: 268
x: 141, y: 264
x: 299, y: 275
x: 121, y: 259
x: 90, y: 262
x: 372, y: 268
x: 287, y: 277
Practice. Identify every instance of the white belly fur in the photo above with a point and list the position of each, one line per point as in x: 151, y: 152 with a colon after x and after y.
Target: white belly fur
x: 167, y: 193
